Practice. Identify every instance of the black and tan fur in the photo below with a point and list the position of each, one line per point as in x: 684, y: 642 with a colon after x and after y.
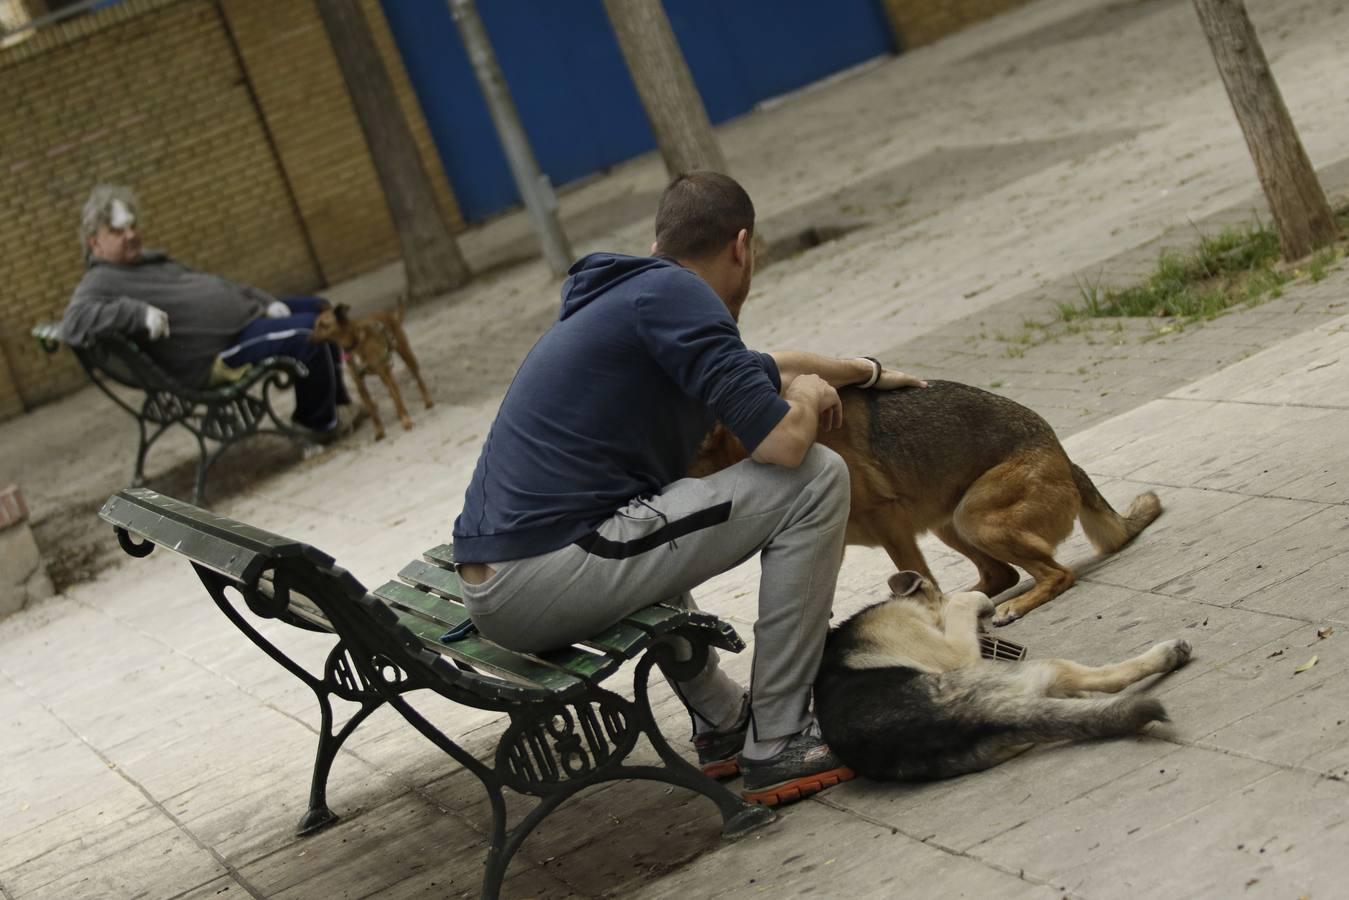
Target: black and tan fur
x: 984, y: 473
x: 903, y: 694
x: 370, y: 343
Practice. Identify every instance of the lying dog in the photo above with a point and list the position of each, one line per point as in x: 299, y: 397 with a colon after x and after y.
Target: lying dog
x: 370, y: 344
x: 902, y: 692
x: 984, y: 473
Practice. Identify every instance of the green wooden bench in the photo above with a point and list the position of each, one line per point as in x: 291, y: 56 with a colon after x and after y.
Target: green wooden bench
x: 220, y: 416
x: 566, y: 731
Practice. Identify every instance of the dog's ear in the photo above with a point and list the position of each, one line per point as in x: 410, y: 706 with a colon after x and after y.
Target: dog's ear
x: 905, y: 584
x: 341, y: 311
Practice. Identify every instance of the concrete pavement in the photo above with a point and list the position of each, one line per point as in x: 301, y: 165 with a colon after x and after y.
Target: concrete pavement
x: 150, y: 750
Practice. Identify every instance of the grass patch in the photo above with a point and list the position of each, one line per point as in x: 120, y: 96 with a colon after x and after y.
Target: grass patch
x: 1235, y: 266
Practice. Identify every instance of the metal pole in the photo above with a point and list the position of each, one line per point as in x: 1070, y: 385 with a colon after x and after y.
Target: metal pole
x: 534, y: 186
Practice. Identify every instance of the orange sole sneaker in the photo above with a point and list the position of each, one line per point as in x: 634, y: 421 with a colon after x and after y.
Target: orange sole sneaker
x: 798, y: 788
x: 726, y: 768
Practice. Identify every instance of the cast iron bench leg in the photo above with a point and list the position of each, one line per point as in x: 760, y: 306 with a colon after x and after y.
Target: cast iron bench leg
x: 340, y: 678
x: 737, y: 816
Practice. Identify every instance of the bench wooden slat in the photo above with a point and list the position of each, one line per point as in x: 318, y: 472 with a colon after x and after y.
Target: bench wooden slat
x: 622, y: 640
x: 441, y: 554
x: 657, y: 617
x: 224, y: 545
x: 431, y: 577
x: 429, y: 617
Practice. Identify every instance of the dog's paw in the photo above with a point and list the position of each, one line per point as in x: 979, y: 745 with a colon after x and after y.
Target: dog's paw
x: 1005, y: 615
x: 1178, y: 653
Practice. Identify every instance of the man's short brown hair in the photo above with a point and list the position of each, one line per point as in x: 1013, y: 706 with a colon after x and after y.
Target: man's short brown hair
x: 699, y: 213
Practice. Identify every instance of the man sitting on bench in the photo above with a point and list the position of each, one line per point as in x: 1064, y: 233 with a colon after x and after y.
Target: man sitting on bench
x: 579, y: 512
x: 197, y: 327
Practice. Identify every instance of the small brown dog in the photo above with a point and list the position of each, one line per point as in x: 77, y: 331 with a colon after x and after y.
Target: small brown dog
x: 984, y: 473
x: 370, y: 343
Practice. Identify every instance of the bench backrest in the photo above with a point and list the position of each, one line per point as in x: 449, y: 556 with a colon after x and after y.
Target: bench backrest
x: 115, y: 356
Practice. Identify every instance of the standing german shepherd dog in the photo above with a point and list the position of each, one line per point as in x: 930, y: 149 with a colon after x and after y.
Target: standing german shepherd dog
x: 902, y: 692
x: 984, y: 473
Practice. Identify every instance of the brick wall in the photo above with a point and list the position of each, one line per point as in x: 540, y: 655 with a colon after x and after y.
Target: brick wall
x: 229, y: 119
x: 918, y: 22
x: 318, y: 137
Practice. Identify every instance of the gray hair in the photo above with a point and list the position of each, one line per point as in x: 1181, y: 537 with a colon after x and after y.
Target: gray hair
x: 97, y: 210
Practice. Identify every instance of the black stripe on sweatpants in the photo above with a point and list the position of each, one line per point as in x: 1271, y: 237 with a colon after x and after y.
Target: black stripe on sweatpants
x: 604, y: 548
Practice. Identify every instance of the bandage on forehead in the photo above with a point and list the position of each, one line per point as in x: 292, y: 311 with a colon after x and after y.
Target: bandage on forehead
x: 120, y: 216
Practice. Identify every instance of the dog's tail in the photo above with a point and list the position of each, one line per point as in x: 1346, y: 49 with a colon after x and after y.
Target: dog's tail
x: 1107, y: 530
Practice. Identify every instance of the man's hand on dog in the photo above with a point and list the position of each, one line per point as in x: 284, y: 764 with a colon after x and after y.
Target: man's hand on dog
x: 893, y: 378
x: 814, y: 389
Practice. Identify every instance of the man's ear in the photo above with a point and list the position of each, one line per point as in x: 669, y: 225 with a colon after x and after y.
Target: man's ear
x: 653, y: 248
x: 741, y: 249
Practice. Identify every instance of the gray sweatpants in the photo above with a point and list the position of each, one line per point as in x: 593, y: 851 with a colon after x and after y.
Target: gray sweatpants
x: 659, y: 548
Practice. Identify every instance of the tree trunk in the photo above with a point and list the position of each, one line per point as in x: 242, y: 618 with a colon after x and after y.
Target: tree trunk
x: 1301, y: 213
x: 434, y: 263
x: 665, y: 86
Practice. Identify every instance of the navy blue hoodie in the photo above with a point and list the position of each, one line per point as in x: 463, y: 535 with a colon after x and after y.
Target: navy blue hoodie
x: 611, y: 404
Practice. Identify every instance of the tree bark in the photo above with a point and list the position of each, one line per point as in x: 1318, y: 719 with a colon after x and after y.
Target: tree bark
x: 434, y: 263
x: 665, y: 86
x: 1301, y: 213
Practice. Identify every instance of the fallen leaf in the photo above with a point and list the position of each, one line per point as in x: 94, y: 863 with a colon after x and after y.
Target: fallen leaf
x: 1324, y: 632
x: 1308, y: 664
x: 1274, y: 654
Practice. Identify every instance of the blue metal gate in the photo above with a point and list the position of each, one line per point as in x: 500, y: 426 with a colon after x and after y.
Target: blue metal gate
x: 575, y: 97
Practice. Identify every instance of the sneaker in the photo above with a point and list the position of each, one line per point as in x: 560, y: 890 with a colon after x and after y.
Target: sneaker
x: 717, y: 750
x: 805, y: 766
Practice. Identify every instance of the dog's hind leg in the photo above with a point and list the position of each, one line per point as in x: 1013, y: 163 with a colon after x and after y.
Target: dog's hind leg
x: 1065, y: 678
x: 369, y: 403
x: 386, y: 376
x: 404, y: 349
x: 995, y: 576
x: 1018, y: 512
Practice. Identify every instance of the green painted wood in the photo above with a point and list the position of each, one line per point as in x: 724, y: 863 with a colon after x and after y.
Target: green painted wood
x: 657, y: 618
x: 432, y: 577
x: 622, y: 640
x: 442, y: 554
x: 445, y: 613
x: 231, y: 548
x: 429, y: 617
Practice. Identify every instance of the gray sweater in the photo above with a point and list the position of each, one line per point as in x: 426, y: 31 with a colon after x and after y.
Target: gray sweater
x: 205, y: 312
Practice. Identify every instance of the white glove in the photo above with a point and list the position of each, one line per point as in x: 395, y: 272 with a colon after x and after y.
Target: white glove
x: 156, y: 323
x: 277, y: 310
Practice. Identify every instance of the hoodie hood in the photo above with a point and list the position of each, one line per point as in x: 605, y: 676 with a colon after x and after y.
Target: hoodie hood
x: 597, y: 273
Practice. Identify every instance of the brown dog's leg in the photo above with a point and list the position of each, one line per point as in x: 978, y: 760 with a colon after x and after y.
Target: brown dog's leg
x: 1069, y: 679
x: 386, y: 376
x: 995, y: 576
x: 400, y: 340
x: 1018, y: 512
x: 368, y: 402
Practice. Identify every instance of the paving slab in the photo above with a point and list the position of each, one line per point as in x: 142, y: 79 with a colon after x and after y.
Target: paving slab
x: 1293, y: 847
x: 814, y: 851
x: 1106, y: 820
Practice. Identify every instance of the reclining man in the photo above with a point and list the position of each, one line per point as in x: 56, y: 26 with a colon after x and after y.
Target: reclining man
x: 197, y: 327
x: 579, y: 512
